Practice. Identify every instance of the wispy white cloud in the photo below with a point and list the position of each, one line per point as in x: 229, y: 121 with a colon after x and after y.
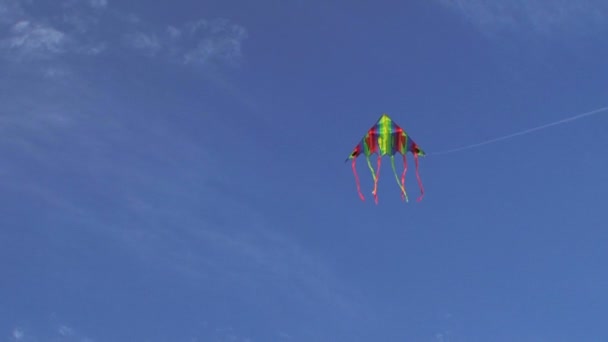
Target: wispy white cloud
x: 98, y: 4
x: 35, y: 40
x: 64, y: 330
x: 442, y: 337
x: 205, y: 246
x: 33, y: 37
x: 18, y: 334
x: 217, y: 39
x: 283, y: 336
x: 81, y: 27
x: 174, y: 32
x: 227, y: 334
x: 62, y: 333
x: 92, y: 49
x: 147, y: 43
x: 532, y: 16
x: 200, y: 42
x: 93, y: 4
x: 153, y: 176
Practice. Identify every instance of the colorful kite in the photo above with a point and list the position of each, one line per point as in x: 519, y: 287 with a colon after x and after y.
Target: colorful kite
x: 386, y: 138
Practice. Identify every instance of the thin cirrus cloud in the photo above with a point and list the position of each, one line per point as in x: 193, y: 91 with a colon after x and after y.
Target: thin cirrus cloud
x: 33, y: 37
x: 151, y: 177
x: 542, y: 17
x: 63, y: 333
x: 98, y: 3
x: 199, y: 42
x: 30, y: 39
x: 18, y: 334
x: 159, y: 216
x: 83, y: 28
x: 158, y: 211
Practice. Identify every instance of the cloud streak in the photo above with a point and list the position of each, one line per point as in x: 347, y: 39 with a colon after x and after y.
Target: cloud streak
x: 198, y: 43
x: 34, y: 37
x: 82, y: 28
x: 62, y: 333
x: 139, y: 180
x: 30, y: 39
x: 18, y: 334
x: 152, y: 189
x: 98, y: 4
x: 543, y: 17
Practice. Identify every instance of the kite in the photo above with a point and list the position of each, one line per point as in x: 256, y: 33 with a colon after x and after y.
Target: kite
x: 386, y: 138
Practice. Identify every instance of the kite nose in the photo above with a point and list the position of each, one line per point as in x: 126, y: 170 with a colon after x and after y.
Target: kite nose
x: 417, y: 150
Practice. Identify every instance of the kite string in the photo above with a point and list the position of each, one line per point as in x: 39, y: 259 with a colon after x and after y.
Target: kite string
x: 526, y: 131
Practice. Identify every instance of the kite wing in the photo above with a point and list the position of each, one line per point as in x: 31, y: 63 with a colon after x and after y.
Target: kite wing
x: 385, y: 137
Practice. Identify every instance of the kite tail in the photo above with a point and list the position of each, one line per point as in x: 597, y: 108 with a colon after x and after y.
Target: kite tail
x: 403, y: 176
x: 403, y: 194
x: 357, y: 179
x: 418, y: 176
x: 371, y: 168
x: 376, y: 177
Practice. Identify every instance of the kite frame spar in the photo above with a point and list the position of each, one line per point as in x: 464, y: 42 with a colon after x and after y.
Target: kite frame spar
x: 385, y: 137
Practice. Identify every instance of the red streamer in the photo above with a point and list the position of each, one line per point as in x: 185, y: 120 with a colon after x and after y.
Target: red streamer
x: 357, y: 179
x: 419, y: 181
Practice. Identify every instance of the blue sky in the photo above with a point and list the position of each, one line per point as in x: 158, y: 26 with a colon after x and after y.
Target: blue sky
x: 173, y: 171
